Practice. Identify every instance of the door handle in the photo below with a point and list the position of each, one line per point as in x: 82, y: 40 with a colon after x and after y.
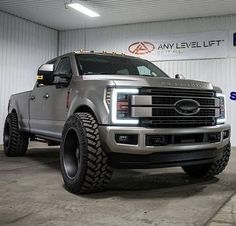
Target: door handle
x: 46, y: 96
x: 32, y: 97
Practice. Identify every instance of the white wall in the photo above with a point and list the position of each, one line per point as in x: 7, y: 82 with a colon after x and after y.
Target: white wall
x: 108, y: 38
x: 24, y: 46
x: 220, y: 72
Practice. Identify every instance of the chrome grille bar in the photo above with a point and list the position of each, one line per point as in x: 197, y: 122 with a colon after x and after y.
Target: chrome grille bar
x: 164, y: 112
x: 144, y: 100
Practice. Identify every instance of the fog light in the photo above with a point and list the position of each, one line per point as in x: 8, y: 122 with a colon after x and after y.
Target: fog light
x: 225, y: 134
x: 213, y: 137
x: 127, y: 139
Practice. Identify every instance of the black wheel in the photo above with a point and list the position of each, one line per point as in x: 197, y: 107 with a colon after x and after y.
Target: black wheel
x: 15, y: 141
x: 84, y: 164
x: 211, y: 169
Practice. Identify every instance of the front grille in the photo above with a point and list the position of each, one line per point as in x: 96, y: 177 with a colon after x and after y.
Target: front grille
x: 162, y: 109
x: 175, y: 122
x: 167, y: 112
x: 169, y: 100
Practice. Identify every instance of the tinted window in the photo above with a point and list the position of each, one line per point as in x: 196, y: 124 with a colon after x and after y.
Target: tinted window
x: 64, y: 67
x: 90, y: 64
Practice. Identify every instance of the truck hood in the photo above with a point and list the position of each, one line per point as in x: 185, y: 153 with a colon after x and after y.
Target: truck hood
x: 141, y: 81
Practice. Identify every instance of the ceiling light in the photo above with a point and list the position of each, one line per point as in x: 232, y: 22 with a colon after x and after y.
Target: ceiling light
x: 83, y: 9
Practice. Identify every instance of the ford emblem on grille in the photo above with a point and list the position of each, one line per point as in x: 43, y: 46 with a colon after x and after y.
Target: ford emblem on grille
x: 187, y: 107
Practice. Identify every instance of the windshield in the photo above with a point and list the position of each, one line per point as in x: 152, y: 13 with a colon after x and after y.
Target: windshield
x: 93, y: 64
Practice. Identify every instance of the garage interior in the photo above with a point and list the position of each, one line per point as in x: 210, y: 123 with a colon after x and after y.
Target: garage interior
x: 33, y: 32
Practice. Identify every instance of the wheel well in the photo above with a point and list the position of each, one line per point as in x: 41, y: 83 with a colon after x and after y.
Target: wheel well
x: 13, y: 111
x: 85, y: 109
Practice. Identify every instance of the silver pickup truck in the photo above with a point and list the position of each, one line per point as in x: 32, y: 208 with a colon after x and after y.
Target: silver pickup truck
x: 114, y: 111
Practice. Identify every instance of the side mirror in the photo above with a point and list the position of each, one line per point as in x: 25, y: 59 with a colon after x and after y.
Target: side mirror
x: 179, y: 76
x: 62, y: 79
x: 46, y: 74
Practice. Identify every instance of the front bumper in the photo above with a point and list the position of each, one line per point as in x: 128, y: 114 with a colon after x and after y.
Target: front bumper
x: 167, y: 155
x: 107, y: 134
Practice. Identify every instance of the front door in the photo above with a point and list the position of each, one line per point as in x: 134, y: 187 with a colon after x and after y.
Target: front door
x: 55, y: 111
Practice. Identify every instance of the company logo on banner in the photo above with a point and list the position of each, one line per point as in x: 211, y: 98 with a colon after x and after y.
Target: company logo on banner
x: 140, y: 48
x: 184, y: 46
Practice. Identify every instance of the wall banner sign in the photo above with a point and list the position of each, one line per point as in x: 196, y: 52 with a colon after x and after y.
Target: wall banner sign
x: 233, y: 96
x: 182, y: 46
x: 232, y: 43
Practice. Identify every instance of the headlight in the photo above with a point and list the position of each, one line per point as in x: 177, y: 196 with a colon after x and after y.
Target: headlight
x: 121, y: 106
x: 222, y: 118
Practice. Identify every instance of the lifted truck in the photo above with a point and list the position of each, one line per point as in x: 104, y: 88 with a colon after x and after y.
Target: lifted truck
x: 114, y: 111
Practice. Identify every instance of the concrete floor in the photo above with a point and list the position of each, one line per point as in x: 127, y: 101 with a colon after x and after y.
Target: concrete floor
x: 32, y: 193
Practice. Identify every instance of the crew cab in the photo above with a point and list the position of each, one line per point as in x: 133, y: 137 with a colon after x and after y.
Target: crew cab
x: 111, y: 111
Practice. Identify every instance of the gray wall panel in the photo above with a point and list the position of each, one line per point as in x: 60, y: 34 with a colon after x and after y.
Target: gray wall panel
x: 24, y: 46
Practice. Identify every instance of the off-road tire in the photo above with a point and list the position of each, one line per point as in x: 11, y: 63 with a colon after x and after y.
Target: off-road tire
x: 15, y: 141
x: 211, y: 169
x: 86, y: 169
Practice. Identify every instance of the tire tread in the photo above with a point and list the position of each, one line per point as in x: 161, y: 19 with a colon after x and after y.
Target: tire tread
x: 97, y: 172
x: 18, y: 141
x: 212, y: 169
